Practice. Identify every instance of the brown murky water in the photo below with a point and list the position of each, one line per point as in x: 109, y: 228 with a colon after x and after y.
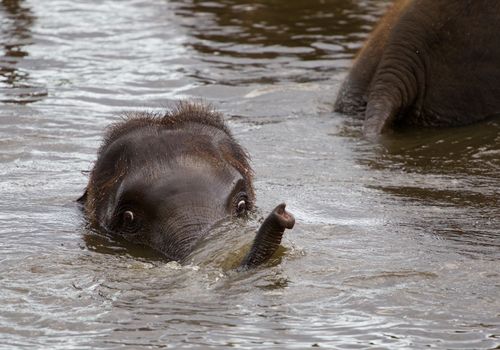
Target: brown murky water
x: 397, y: 244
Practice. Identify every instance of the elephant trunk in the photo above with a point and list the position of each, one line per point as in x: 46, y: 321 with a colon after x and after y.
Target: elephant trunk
x: 268, y: 237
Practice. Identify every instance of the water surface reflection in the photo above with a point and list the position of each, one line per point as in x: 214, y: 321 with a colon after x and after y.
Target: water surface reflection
x: 396, y: 243
x: 16, y: 86
x: 271, y: 41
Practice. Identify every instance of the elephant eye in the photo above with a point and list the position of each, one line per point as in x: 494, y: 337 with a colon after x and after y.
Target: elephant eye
x: 130, y: 222
x: 242, y: 207
x: 128, y: 217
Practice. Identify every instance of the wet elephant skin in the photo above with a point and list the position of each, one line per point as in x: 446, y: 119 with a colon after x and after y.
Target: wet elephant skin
x: 430, y: 63
x: 164, y: 180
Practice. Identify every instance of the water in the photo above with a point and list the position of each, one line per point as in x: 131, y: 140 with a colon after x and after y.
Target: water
x: 396, y: 244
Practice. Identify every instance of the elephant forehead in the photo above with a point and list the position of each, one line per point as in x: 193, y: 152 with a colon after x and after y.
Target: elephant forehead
x: 185, y: 168
x: 181, y: 142
x: 182, y: 151
x: 187, y: 181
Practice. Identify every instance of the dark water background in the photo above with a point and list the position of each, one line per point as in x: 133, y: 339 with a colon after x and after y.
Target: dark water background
x: 397, y: 244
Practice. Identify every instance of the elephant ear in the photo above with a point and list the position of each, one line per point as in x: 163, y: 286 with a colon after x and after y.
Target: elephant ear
x: 83, y: 198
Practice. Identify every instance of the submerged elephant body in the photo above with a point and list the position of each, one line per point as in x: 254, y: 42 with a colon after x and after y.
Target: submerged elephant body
x: 428, y: 63
x: 165, y: 180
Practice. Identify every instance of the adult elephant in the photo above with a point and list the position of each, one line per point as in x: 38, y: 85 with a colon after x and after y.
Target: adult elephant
x: 428, y: 63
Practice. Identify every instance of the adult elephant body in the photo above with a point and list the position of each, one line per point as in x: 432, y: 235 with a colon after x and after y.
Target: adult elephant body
x: 428, y: 63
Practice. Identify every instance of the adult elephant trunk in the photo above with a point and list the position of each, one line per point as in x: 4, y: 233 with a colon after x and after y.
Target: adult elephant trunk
x: 268, y: 237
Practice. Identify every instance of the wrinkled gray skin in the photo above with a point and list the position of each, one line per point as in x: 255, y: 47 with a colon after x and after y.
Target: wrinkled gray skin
x: 428, y: 63
x: 164, y: 181
x: 268, y: 238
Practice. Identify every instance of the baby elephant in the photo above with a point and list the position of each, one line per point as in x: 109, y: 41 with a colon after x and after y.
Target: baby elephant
x: 428, y: 63
x: 165, y: 180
